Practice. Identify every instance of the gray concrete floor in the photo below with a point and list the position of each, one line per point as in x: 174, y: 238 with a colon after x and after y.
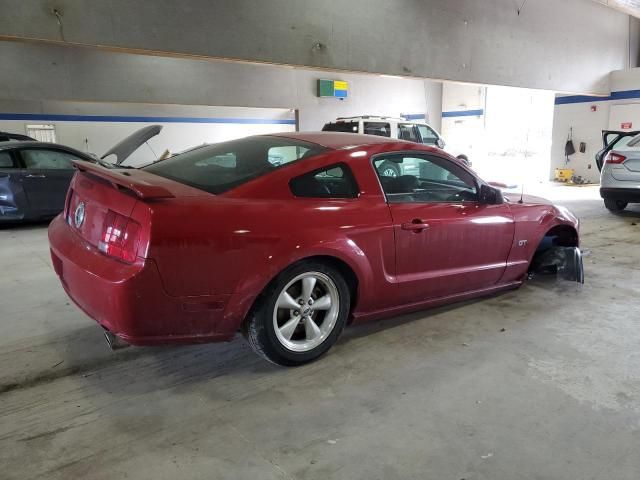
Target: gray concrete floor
x: 444, y: 394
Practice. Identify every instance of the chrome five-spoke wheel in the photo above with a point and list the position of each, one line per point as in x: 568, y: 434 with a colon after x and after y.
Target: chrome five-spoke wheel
x: 306, y: 311
x: 300, y: 314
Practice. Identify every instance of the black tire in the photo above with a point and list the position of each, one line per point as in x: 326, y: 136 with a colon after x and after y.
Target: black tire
x: 259, y: 328
x: 387, y: 167
x: 615, y: 205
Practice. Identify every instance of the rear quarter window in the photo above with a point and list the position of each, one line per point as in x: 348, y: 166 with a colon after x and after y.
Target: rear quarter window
x: 335, y: 181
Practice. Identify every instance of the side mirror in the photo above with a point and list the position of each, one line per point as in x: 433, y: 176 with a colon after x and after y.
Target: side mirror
x: 490, y: 195
x: 440, y: 143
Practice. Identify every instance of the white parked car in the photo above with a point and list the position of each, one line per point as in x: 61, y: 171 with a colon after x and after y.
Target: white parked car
x: 394, y: 128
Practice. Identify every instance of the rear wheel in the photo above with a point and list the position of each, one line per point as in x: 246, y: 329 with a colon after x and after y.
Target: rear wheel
x: 300, y: 315
x: 615, y: 205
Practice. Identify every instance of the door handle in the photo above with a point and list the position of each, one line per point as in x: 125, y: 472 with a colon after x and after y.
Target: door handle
x: 416, y: 225
x: 36, y: 175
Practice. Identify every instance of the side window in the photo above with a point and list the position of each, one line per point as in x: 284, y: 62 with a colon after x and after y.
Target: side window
x: 39, y: 158
x: 407, y: 131
x: 346, y: 127
x: 424, y: 179
x: 429, y: 136
x: 381, y: 129
x: 280, y: 155
x: 335, y: 181
x: 6, y: 160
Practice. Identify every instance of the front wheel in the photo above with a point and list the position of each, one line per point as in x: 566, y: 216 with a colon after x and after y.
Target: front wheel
x: 300, y: 315
x: 615, y: 205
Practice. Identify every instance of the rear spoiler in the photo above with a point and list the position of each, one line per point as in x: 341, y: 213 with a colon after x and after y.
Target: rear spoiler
x: 121, y: 178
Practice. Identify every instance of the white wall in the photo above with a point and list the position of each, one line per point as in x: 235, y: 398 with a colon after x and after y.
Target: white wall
x: 587, y: 125
x: 90, y: 135
x: 45, y: 78
x: 368, y: 95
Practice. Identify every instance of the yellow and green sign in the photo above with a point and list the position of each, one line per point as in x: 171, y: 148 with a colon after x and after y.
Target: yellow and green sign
x: 333, y: 88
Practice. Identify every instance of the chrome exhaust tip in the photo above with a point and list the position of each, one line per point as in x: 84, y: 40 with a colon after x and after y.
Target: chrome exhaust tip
x: 114, y: 342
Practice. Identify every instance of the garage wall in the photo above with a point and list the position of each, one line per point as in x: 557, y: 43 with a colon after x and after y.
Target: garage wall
x: 50, y: 72
x: 622, y: 105
x: 488, y: 42
x: 96, y: 127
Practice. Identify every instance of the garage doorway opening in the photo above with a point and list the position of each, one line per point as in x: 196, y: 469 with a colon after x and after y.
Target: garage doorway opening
x: 507, y: 131
x: 519, y: 124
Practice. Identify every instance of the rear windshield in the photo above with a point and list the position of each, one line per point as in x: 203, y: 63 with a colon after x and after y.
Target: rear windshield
x: 623, y: 144
x: 347, y: 127
x: 223, y: 166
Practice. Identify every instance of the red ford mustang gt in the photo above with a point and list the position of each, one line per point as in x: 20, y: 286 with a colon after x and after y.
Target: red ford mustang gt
x: 290, y: 237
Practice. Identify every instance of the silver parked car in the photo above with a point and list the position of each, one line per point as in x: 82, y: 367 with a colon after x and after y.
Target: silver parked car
x: 619, y: 164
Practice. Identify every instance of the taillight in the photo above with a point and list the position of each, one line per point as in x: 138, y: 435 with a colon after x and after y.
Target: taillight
x: 614, y: 158
x: 120, y: 237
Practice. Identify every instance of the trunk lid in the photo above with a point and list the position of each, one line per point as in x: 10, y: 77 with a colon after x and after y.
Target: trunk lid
x: 612, y: 139
x: 130, y: 144
x: 96, y: 191
x: 90, y: 199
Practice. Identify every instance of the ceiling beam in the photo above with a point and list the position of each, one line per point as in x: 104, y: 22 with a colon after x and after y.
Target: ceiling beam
x: 630, y: 7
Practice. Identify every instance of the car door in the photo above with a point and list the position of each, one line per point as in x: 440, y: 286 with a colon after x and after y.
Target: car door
x: 46, y: 175
x: 12, y: 201
x: 612, y: 139
x: 447, y: 242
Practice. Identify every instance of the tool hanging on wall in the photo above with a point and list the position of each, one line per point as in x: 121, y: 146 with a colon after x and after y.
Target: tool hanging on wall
x: 569, y: 147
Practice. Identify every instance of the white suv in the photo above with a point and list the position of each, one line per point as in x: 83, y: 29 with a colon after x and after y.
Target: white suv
x: 393, y: 128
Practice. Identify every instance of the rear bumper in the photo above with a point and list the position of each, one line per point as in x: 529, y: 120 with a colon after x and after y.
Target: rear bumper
x: 631, y: 195
x: 130, y: 301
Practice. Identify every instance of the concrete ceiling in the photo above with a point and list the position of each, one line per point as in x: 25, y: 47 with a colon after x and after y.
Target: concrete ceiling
x: 568, y: 45
x: 630, y: 7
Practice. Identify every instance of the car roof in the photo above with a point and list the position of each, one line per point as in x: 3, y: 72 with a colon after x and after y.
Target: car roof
x: 26, y: 143
x: 30, y: 143
x: 337, y: 140
x: 371, y: 117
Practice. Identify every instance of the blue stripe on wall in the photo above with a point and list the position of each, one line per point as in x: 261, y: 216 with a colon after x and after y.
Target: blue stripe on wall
x: 120, y: 118
x: 621, y: 95
x: 413, y: 116
x: 463, y: 113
